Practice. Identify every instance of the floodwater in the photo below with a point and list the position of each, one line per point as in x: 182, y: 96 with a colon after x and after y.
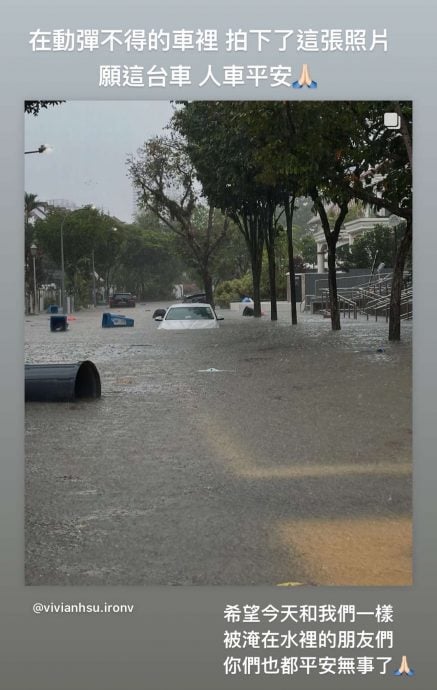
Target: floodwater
x: 256, y: 453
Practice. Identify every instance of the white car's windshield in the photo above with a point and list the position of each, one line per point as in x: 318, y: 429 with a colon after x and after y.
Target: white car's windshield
x: 180, y: 313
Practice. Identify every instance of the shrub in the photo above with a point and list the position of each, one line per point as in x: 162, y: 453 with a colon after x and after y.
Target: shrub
x: 233, y: 290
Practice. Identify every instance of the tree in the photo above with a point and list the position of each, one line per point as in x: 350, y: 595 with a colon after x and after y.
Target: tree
x: 221, y: 148
x: 345, y: 154
x: 233, y: 261
x: 380, y: 175
x: 31, y: 203
x: 307, y: 248
x: 314, y: 132
x: 140, y: 258
x: 342, y: 152
x: 86, y: 232
x: 295, y: 150
x: 331, y: 232
x: 337, y: 153
x: 379, y: 245
x: 149, y: 264
x: 165, y: 179
x: 273, y: 126
x: 34, y: 107
x: 303, y: 213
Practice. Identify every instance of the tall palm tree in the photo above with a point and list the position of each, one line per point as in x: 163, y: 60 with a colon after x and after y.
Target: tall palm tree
x: 31, y: 203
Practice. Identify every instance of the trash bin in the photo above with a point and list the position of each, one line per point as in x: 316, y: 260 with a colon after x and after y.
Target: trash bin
x: 58, y: 322
x: 52, y: 309
x: 62, y: 382
x: 114, y: 320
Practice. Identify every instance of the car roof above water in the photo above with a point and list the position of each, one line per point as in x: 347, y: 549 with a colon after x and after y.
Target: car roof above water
x: 188, y: 305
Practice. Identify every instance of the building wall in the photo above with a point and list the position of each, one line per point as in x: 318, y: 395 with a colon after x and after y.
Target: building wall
x: 312, y: 282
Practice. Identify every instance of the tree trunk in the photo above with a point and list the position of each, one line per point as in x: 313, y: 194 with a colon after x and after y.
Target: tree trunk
x: 289, y: 208
x: 270, y: 244
x: 272, y: 283
x: 256, y: 282
x: 394, y: 329
x: 255, y: 242
x: 332, y: 283
x: 249, y: 224
x: 207, y: 285
x: 331, y: 238
x: 406, y: 134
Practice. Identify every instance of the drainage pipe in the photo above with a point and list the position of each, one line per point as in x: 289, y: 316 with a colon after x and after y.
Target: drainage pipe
x: 61, y: 382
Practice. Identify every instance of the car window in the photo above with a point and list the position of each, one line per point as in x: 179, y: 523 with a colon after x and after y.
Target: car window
x: 179, y: 313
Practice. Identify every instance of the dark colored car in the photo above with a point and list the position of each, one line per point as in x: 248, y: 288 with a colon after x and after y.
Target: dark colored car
x: 198, y: 297
x: 122, y: 299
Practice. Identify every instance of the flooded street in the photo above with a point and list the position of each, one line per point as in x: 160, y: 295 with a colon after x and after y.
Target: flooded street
x: 289, y: 462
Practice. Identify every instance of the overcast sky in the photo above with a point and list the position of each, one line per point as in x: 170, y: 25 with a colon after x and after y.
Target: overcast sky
x: 91, y: 141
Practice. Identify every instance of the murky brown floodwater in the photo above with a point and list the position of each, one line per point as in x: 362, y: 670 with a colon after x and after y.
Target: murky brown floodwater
x: 292, y: 463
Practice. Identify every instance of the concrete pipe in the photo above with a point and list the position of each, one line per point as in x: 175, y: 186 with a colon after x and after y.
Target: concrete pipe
x: 61, y: 382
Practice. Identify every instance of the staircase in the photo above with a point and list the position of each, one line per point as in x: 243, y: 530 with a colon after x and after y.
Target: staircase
x: 370, y: 299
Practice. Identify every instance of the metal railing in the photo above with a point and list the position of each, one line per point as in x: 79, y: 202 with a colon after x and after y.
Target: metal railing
x: 369, y: 299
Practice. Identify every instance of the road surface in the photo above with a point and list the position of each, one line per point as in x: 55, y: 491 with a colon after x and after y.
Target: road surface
x: 291, y: 463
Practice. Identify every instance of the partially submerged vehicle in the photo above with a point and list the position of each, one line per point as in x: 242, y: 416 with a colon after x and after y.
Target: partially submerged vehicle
x: 189, y: 316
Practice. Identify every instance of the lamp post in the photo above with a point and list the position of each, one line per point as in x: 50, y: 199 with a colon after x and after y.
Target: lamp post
x: 44, y: 148
x: 33, y: 252
x: 94, y: 279
x: 63, y: 294
x: 113, y: 231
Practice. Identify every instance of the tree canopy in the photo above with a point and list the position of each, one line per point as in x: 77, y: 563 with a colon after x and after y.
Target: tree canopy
x: 249, y: 155
x: 34, y: 107
x: 165, y: 179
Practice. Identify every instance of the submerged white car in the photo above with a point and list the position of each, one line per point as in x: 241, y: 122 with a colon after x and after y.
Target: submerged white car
x: 189, y: 316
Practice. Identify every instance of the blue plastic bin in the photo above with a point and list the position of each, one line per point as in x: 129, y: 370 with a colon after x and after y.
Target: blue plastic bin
x: 58, y: 323
x: 52, y: 309
x: 115, y: 320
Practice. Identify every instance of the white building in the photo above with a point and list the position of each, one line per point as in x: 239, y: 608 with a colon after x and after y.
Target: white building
x: 349, y: 232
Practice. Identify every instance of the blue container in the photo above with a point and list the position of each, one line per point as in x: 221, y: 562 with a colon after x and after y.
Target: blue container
x: 52, y: 309
x: 58, y: 323
x: 115, y: 320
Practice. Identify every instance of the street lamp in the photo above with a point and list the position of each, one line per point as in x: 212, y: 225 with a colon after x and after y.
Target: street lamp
x: 109, y: 242
x: 94, y: 279
x: 44, y: 148
x: 63, y: 294
x: 33, y: 252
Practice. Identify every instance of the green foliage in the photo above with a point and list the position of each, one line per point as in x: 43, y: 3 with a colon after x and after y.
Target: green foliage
x: 251, y: 156
x: 31, y: 203
x: 233, y: 260
x: 281, y: 272
x: 84, y: 232
x: 140, y: 258
x: 34, y: 107
x: 303, y: 212
x: 165, y: 179
x: 223, y: 149
x: 378, y: 245
x: 307, y: 248
x: 233, y: 290
x: 149, y: 262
